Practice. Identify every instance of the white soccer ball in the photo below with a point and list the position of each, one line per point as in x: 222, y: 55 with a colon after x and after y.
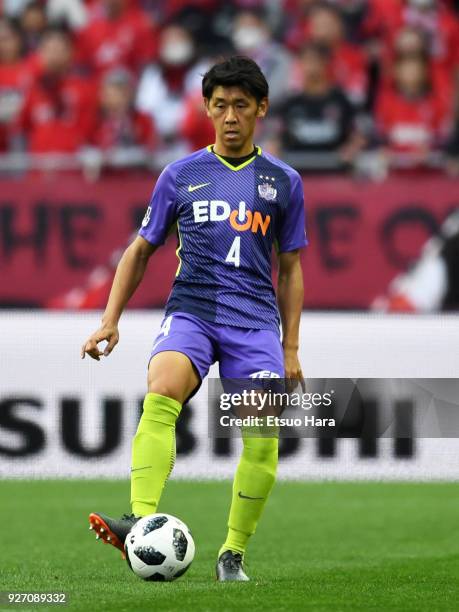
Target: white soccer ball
x: 159, y: 547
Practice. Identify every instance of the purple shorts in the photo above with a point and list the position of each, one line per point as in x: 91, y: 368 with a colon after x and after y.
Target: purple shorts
x: 241, y: 353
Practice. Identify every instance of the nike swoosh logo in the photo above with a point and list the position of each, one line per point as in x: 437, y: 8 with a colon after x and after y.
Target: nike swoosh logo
x: 247, y: 497
x: 142, y: 468
x: 194, y: 187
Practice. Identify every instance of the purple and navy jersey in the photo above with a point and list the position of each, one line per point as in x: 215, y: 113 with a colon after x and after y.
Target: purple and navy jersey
x: 228, y: 219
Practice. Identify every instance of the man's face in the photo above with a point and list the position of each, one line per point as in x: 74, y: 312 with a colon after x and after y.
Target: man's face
x: 115, y: 98
x: 326, y: 27
x: 411, y: 74
x: 234, y: 114
x: 114, y: 7
x: 10, y: 43
x: 315, y: 67
x: 56, y: 54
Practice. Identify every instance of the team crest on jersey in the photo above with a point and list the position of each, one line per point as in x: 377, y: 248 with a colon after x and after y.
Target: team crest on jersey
x: 267, y: 192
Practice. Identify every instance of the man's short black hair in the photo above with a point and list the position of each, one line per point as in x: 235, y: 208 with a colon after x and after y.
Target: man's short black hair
x: 61, y: 30
x: 236, y: 71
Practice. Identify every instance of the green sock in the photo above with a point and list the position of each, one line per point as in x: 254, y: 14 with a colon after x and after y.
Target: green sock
x: 153, y: 452
x: 254, y: 479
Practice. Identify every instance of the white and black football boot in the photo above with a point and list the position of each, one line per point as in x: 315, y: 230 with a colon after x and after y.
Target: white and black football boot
x: 230, y: 567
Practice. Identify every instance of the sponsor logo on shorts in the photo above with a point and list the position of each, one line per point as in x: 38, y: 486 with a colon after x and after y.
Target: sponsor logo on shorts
x: 264, y: 374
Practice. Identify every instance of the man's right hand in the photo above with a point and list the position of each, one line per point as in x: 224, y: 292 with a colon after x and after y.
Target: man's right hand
x: 106, y: 332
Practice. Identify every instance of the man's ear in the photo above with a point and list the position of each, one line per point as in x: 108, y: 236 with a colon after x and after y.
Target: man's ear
x: 206, y: 104
x: 262, y: 108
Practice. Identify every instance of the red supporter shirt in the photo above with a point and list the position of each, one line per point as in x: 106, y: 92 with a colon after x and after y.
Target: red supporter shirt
x: 411, y: 125
x: 387, y: 17
x: 129, y: 40
x: 384, y: 18
x: 57, y: 116
x: 15, y: 80
x: 196, y: 126
x: 349, y: 70
x: 134, y: 129
x: 20, y: 75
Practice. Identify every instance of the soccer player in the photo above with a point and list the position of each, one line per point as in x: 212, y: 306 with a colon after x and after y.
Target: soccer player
x: 231, y: 203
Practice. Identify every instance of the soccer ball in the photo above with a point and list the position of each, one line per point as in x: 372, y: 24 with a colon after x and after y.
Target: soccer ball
x: 159, y: 547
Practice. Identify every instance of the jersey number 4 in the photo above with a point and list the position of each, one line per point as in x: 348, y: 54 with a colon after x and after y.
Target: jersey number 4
x: 234, y: 254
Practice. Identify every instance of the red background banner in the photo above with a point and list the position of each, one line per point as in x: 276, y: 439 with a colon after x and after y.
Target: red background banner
x: 54, y: 232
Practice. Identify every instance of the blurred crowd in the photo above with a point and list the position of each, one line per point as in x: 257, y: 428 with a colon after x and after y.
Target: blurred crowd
x: 367, y: 85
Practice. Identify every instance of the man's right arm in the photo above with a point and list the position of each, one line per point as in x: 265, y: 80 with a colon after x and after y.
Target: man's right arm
x: 129, y: 273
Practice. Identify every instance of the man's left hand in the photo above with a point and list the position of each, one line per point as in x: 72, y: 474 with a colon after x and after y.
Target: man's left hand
x: 293, y: 373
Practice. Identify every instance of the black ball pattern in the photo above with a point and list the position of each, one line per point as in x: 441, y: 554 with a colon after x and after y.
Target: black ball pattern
x: 149, y: 555
x: 156, y: 577
x: 180, y: 544
x: 154, y: 523
x: 127, y: 557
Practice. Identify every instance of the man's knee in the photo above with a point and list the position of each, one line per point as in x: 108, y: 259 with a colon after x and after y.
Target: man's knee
x: 166, y: 389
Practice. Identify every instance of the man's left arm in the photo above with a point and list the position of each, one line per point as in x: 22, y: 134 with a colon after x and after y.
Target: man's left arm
x: 290, y: 293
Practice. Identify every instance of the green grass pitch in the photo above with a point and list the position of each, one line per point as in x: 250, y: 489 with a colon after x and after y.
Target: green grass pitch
x: 320, y: 546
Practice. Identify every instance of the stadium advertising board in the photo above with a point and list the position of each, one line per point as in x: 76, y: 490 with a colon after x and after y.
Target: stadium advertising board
x: 57, y: 232
x: 64, y: 417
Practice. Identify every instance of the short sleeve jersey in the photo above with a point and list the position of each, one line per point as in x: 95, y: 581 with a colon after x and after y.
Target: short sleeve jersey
x: 228, y: 219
